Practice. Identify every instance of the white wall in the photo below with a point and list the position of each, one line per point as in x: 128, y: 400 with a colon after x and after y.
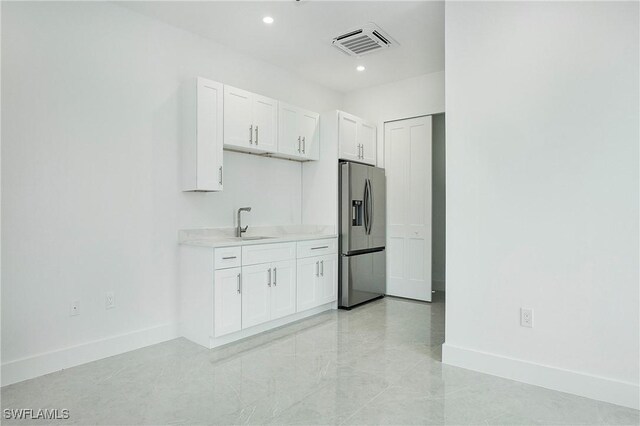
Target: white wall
x: 542, y: 192
x: 90, y: 180
x: 421, y: 95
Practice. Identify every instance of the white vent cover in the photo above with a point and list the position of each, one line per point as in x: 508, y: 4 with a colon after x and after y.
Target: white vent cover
x: 368, y: 39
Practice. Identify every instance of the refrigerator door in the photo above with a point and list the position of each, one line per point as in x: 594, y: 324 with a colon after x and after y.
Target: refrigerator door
x: 353, y: 234
x: 362, y: 278
x: 376, y: 213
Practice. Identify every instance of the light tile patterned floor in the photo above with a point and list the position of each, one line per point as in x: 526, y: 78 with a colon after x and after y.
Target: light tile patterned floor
x: 377, y: 364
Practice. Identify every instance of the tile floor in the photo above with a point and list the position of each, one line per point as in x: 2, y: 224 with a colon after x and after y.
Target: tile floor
x: 377, y: 364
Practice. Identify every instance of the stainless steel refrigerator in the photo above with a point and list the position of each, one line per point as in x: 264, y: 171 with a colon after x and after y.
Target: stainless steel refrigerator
x: 362, y: 201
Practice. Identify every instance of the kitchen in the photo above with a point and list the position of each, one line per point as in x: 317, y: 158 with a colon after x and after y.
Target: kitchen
x: 203, y: 204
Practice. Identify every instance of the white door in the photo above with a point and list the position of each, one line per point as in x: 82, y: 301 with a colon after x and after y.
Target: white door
x: 367, y: 142
x: 306, y: 293
x: 209, y: 173
x: 408, y: 170
x: 265, y: 123
x: 289, y: 137
x: 309, y: 130
x: 283, y: 289
x: 228, y: 301
x: 347, y: 136
x: 256, y: 292
x: 328, y: 282
x: 238, y: 123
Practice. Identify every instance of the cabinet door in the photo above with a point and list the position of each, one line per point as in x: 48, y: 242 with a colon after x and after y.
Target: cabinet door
x: 328, y: 283
x: 256, y: 289
x: 209, y: 135
x: 306, y: 292
x: 309, y: 130
x: 283, y: 289
x: 367, y: 139
x: 228, y: 301
x: 288, y: 130
x: 347, y: 136
x: 238, y: 123
x: 265, y: 123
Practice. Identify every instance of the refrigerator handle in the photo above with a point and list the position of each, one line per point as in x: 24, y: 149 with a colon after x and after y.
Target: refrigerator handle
x: 366, y: 206
x: 370, y: 206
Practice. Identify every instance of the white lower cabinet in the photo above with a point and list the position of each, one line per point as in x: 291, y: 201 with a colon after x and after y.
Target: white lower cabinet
x: 268, y: 292
x: 317, y: 281
x: 228, y: 301
x: 256, y: 286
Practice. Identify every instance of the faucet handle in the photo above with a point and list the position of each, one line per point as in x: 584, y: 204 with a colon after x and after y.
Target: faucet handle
x: 244, y: 229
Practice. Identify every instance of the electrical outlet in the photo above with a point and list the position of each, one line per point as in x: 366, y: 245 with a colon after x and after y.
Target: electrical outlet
x: 74, y: 308
x: 526, y: 317
x: 109, y: 300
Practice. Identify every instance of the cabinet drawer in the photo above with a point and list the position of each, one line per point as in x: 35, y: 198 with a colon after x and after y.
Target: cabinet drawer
x: 262, y: 253
x: 317, y: 247
x: 227, y: 257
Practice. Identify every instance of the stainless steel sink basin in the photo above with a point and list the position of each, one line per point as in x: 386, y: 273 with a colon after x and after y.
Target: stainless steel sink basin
x: 255, y: 238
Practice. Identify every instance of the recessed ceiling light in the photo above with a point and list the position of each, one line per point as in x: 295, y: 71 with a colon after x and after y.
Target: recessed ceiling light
x: 360, y: 68
x: 267, y: 20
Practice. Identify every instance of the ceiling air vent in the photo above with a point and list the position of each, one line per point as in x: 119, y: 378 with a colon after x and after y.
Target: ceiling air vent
x: 368, y: 39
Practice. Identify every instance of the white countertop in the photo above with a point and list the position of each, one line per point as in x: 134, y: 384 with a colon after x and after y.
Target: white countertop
x: 224, y: 237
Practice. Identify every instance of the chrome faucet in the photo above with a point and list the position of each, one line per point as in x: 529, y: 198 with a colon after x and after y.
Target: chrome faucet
x: 240, y: 229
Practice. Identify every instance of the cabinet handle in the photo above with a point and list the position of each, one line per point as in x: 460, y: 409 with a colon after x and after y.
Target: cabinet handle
x: 269, y: 282
x: 318, y: 248
x: 229, y: 257
x: 256, y: 135
x: 251, y: 134
x: 299, y: 149
x: 361, y: 152
x: 275, y: 275
x: 317, y: 269
x: 304, y: 144
x: 239, y: 284
x: 322, y: 268
x: 220, y: 175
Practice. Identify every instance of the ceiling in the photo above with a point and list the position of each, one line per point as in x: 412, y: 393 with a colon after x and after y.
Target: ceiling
x: 300, y: 38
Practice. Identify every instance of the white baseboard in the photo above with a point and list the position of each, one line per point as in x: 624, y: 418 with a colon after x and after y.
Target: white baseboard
x: 49, y: 362
x: 582, y: 384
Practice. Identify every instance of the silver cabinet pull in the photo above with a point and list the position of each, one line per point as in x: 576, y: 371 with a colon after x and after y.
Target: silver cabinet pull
x: 251, y: 134
x: 304, y: 144
x: 229, y: 257
x: 322, y: 268
x: 299, y: 149
x: 220, y: 175
x: 256, y: 135
x: 269, y: 282
x: 275, y: 275
x: 318, y: 269
x: 239, y: 285
x: 318, y: 248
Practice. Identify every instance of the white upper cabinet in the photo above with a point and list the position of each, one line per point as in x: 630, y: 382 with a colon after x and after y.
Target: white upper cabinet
x: 298, y: 133
x: 202, y: 168
x: 357, y: 139
x: 250, y: 121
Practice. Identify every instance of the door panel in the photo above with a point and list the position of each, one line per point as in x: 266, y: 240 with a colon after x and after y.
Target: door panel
x: 378, y: 217
x: 363, y: 278
x: 238, y: 130
x: 209, y: 135
x: 352, y: 232
x: 328, y: 282
x: 256, y: 303
x: 347, y: 136
x: 265, y: 120
x: 228, y: 301
x: 408, y: 171
x: 288, y: 130
x: 283, y: 289
x: 367, y: 138
x: 309, y: 129
x: 307, y: 273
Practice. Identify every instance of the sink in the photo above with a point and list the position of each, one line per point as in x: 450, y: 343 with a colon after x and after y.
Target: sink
x: 255, y: 238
